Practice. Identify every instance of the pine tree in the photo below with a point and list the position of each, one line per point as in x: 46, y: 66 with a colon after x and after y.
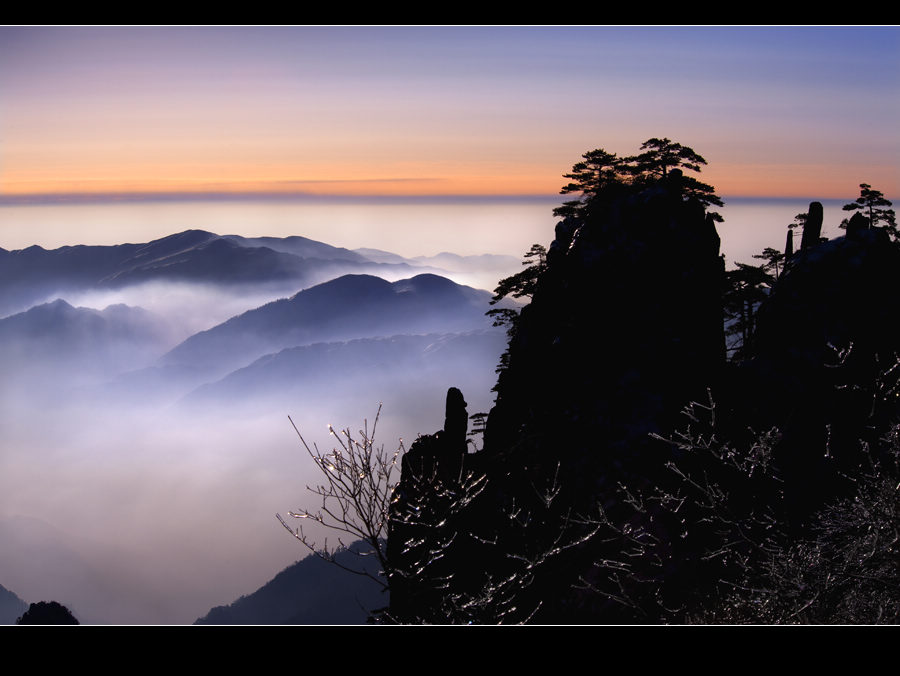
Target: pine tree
x: 598, y: 171
x: 661, y: 155
x: 602, y: 174
x: 774, y: 259
x: 523, y: 283
x: 873, y: 205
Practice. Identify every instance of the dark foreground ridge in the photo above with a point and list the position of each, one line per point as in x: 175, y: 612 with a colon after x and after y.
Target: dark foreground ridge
x: 596, y: 499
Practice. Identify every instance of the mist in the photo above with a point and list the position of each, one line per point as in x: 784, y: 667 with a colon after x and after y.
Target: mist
x: 184, y: 308
x: 155, y: 517
x: 143, y: 490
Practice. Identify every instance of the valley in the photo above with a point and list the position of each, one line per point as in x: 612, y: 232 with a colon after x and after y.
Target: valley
x: 146, y: 446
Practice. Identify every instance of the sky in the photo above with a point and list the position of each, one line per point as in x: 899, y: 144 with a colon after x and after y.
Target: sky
x: 451, y: 111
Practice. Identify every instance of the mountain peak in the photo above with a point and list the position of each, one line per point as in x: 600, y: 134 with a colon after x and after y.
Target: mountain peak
x: 191, y: 234
x: 425, y: 282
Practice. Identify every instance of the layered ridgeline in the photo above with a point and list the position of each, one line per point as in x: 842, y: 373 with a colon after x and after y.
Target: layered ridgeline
x: 146, y: 391
x: 76, y: 330
x: 596, y: 499
x: 350, y: 307
x: 31, y: 275
x: 355, y: 330
x: 280, y: 264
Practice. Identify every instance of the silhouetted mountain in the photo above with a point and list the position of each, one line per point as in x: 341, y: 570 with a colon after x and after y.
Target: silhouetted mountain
x: 624, y: 328
x: 218, y: 261
x: 648, y: 264
x: 312, y: 591
x: 630, y: 474
x: 11, y: 606
x: 32, y: 275
x: 352, y: 306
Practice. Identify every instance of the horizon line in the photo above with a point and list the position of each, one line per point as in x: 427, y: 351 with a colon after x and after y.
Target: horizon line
x: 54, y: 198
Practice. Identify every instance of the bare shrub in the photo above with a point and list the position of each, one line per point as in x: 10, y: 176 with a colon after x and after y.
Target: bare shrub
x: 359, y: 480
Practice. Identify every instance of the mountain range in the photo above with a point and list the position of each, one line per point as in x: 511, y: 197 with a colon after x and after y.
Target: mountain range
x: 131, y: 429
x: 346, y: 308
x: 34, y: 275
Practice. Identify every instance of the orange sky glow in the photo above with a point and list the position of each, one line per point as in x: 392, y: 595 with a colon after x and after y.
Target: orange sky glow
x: 440, y: 111
x: 785, y: 180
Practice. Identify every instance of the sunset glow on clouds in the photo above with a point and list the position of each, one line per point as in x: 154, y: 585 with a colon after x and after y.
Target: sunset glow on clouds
x: 441, y: 111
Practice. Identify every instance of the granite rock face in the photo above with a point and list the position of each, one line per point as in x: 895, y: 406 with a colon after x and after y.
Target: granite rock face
x: 625, y: 328
x: 825, y: 339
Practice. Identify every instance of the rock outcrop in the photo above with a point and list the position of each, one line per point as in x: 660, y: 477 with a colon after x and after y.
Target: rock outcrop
x: 812, y: 227
x: 624, y: 329
x: 421, y: 528
x: 825, y: 338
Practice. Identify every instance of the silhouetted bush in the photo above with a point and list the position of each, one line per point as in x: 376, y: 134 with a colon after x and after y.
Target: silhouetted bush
x: 734, y: 552
x: 47, y: 612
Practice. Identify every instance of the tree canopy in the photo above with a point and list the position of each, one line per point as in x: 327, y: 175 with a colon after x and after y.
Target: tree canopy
x: 602, y: 174
x: 874, y: 206
x: 660, y: 155
x: 774, y: 261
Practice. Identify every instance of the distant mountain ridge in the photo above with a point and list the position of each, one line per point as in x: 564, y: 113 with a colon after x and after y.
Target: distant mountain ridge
x: 482, y: 270
x: 452, y: 261
x: 35, y: 274
x: 444, y: 259
x: 346, y: 308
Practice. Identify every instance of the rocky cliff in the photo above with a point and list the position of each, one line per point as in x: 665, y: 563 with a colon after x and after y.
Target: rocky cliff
x: 822, y: 354
x: 624, y: 328
x: 574, y: 511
